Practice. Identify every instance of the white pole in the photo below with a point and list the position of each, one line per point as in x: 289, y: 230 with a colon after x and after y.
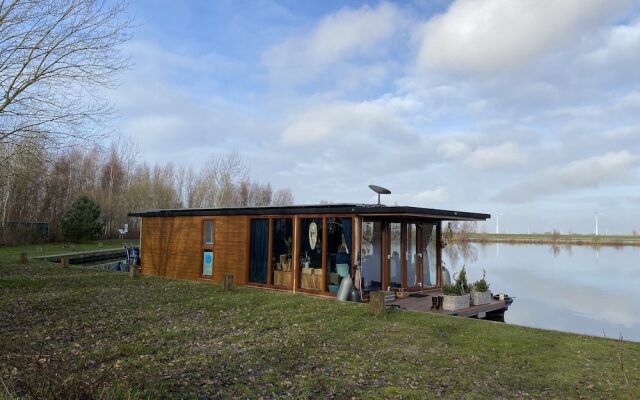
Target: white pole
x: 596, y: 224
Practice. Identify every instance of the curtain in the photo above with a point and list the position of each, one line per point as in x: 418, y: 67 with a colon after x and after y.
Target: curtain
x: 346, y: 230
x: 258, y: 264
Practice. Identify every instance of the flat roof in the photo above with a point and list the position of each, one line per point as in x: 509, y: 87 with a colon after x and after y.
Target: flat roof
x: 372, y: 210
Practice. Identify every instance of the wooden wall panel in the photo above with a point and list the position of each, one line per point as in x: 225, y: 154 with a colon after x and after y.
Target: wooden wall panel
x: 172, y: 247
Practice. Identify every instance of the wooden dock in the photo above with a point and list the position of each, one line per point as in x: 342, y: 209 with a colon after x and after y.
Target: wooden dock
x: 86, y: 256
x: 494, y: 310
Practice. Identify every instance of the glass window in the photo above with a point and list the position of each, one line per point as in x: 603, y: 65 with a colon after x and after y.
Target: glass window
x: 259, y: 251
x: 311, y: 253
x: 429, y: 274
x: 208, y: 232
x: 338, y: 252
x: 395, y: 260
x: 281, y: 242
x: 370, y: 256
x: 207, y: 263
x: 411, y: 257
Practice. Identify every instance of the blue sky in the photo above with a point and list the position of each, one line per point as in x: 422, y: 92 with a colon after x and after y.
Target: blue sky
x: 526, y: 108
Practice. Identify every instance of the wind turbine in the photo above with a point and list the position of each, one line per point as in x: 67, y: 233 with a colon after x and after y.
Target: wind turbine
x: 597, y: 222
x: 498, y: 222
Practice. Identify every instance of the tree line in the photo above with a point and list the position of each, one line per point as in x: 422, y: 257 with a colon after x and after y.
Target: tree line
x: 42, y: 187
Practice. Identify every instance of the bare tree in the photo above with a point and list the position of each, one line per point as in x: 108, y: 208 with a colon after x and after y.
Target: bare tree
x: 282, y: 197
x: 54, y: 56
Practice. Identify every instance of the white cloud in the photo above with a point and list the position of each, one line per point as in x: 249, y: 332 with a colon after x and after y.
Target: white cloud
x: 483, y: 157
x: 437, y: 195
x: 426, y: 198
x: 488, y: 36
x: 453, y: 149
x: 338, y: 37
x: 341, y: 119
x: 621, y: 45
x: 502, y: 155
x: 607, y: 169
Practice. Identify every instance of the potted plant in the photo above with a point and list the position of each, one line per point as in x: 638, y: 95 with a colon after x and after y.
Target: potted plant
x: 456, y: 296
x: 480, y: 293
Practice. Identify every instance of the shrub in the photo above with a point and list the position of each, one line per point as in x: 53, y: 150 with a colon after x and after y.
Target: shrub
x: 82, y: 221
x: 460, y: 287
x: 480, y: 285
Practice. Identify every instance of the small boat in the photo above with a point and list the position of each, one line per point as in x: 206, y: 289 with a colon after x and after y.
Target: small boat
x: 507, y: 299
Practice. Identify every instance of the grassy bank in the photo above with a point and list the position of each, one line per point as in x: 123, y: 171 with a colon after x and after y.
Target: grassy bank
x: 72, y: 332
x: 593, y: 240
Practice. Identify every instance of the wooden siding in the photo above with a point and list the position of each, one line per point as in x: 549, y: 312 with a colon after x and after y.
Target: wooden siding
x: 172, y: 247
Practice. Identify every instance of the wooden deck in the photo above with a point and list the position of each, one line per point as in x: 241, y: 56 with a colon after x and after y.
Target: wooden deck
x: 493, y: 310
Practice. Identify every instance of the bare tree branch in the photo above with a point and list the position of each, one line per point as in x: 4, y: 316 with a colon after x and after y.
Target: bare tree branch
x: 54, y: 56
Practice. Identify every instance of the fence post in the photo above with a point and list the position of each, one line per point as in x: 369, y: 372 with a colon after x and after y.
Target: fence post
x: 64, y: 262
x: 23, y: 258
x: 377, y: 302
x: 227, y: 283
x: 133, y: 270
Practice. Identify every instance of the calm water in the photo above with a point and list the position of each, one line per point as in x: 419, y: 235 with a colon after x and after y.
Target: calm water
x: 594, y: 291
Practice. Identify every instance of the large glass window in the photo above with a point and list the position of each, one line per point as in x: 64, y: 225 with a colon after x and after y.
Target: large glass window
x: 311, y: 253
x: 395, y: 260
x: 281, y: 242
x: 411, y: 256
x: 259, y: 251
x: 338, y: 251
x: 429, y: 274
x: 370, y: 256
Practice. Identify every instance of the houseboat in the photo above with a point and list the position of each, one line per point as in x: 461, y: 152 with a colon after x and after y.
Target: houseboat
x: 304, y: 248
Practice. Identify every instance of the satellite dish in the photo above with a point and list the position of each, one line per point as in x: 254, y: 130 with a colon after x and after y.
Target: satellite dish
x: 380, y: 190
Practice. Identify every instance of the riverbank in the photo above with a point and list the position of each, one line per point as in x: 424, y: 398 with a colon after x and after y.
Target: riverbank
x: 11, y: 254
x: 73, y: 330
x: 593, y: 240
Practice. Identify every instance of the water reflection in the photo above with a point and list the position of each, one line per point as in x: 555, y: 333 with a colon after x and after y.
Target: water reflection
x: 460, y: 254
x: 582, y: 289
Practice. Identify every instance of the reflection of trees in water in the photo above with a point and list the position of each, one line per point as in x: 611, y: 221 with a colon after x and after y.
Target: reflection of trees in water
x: 463, y: 251
x: 556, y: 249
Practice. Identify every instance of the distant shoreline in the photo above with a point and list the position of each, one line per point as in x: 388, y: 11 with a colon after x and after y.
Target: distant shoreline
x: 592, y: 240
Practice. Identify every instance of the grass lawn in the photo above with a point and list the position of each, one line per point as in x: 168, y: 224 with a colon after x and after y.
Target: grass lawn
x: 79, y: 333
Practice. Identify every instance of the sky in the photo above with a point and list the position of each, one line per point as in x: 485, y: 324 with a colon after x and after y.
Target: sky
x: 527, y: 109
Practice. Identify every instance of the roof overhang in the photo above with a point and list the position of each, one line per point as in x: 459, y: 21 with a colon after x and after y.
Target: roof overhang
x: 365, y: 210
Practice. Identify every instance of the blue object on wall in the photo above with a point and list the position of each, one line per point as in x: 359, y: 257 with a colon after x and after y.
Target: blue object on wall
x: 207, y: 263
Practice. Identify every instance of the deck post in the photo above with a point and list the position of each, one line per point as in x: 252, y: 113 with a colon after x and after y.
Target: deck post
x: 228, y: 283
x: 377, y: 303
x: 23, y: 258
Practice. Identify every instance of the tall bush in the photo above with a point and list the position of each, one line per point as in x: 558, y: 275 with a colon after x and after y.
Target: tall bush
x: 82, y: 221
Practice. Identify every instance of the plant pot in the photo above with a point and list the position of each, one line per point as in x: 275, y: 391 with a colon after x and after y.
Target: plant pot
x: 452, y: 303
x: 478, y: 298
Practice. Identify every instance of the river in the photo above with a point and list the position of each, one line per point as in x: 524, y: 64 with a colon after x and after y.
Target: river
x: 580, y: 289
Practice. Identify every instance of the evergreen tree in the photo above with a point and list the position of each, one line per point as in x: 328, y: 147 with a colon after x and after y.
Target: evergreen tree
x: 82, y: 220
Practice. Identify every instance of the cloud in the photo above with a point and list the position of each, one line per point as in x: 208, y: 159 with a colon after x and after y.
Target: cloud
x: 347, y: 34
x: 483, y: 157
x: 593, y: 172
x: 488, y: 36
x: 453, y: 149
x: 437, y: 195
x: 341, y: 119
x: 503, y: 155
